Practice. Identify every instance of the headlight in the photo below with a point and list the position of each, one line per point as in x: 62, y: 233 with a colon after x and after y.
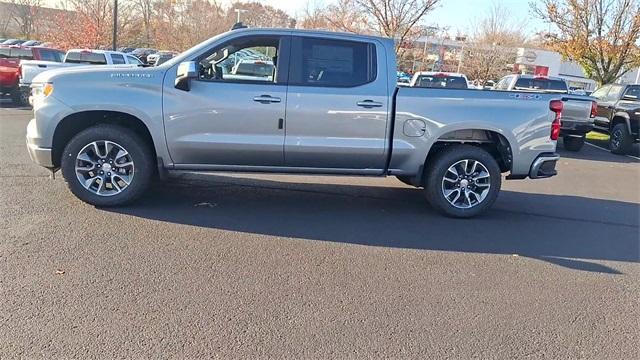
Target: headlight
x: 41, y: 90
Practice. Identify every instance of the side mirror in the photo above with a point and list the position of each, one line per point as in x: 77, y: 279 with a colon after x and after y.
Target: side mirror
x: 186, y: 71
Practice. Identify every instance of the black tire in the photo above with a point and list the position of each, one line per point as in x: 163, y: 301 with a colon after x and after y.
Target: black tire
x: 19, y: 97
x: 438, y: 167
x: 620, y: 140
x: 573, y: 143
x: 140, y: 152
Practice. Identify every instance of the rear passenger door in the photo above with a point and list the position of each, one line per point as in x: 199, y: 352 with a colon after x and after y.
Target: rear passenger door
x: 337, y: 105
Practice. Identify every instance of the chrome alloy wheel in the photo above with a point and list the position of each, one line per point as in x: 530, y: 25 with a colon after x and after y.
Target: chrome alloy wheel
x: 104, y: 168
x: 616, y: 139
x: 466, y: 184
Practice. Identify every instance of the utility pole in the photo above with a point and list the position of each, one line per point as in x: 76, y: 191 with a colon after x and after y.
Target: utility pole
x: 115, y: 24
x: 239, y: 11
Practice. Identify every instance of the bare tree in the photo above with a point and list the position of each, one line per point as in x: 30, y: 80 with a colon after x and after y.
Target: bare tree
x: 397, y: 19
x: 259, y: 15
x: 25, y: 14
x: 601, y: 35
x: 145, y: 11
x: 490, y: 48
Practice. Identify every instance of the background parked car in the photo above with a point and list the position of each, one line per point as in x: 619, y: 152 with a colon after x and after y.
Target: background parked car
x: 142, y: 53
x: 619, y: 115
x: 578, y: 112
x: 160, y: 57
x: 10, y: 62
x: 31, y: 43
x: 12, y: 42
x: 73, y: 57
x: 431, y: 79
x: 126, y: 49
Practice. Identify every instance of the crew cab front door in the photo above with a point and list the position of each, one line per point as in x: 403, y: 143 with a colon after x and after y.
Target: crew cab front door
x: 337, y: 105
x: 233, y: 113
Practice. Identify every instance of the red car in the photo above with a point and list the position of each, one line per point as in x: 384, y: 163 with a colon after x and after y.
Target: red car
x: 10, y: 57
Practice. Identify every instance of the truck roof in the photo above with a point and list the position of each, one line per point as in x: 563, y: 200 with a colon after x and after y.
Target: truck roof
x: 97, y: 51
x: 313, y: 32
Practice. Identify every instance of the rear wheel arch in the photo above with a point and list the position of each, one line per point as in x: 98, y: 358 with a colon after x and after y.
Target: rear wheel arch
x: 73, y: 124
x: 496, y: 144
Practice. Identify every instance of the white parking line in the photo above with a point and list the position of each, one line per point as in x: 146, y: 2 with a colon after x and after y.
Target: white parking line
x: 607, y: 150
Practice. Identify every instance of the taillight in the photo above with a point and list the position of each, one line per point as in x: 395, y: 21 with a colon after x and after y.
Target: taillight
x: 594, y: 109
x: 556, y: 106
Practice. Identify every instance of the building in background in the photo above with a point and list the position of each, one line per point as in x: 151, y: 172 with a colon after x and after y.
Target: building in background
x: 550, y: 63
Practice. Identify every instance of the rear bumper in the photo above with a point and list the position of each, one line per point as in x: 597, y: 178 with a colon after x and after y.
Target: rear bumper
x: 544, y: 166
x: 575, y: 128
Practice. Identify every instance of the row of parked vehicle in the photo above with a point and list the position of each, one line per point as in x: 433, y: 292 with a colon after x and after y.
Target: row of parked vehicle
x: 21, y: 61
x: 613, y: 109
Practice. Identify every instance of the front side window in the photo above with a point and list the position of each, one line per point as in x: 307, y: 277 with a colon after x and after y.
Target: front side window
x: 117, y: 59
x: 332, y: 63
x: 504, y: 83
x: 633, y: 92
x: 252, y: 59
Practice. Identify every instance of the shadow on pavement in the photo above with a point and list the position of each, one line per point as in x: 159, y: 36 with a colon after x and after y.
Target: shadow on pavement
x: 591, y: 153
x: 557, y: 229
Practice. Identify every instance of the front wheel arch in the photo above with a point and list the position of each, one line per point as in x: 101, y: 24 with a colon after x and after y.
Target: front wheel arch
x: 73, y: 124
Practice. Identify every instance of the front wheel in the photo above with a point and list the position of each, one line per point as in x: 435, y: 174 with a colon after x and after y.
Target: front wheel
x: 107, y: 165
x: 462, y: 181
x: 573, y: 143
x: 620, y: 141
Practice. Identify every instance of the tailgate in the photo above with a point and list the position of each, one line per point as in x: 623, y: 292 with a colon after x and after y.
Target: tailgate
x: 577, y: 109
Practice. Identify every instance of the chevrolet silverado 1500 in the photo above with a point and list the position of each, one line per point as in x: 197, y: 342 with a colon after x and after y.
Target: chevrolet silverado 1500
x: 328, y: 105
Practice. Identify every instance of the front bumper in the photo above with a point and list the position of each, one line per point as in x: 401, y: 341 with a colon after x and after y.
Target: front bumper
x: 39, y: 155
x: 544, y: 166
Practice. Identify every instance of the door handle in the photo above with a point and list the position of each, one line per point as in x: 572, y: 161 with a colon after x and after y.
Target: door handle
x: 368, y: 104
x: 266, y: 99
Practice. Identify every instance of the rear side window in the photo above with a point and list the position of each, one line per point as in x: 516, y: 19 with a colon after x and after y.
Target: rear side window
x: 541, y: 84
x: 332, y: 63
x: 50, y: 55
x: 85, y: 58
x: 441, y: 81
x: 117, y: 59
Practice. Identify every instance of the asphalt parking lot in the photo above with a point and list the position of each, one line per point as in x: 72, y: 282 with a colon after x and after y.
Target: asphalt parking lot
x: 256, y: 266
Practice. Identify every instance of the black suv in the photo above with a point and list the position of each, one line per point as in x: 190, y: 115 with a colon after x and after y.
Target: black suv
x: 618, y: 115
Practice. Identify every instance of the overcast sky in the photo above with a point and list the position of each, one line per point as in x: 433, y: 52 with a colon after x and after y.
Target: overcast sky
x: 458, y: 15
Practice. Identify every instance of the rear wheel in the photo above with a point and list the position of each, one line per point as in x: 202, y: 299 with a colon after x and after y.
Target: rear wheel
x: 462, y: 181
x: 107, y: 165
x: 620, y: 141
x: 19, y: 97
x: 573, y: 143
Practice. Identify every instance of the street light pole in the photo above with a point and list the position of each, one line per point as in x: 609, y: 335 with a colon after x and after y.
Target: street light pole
x: 239, y: 11
x: 115, y: 24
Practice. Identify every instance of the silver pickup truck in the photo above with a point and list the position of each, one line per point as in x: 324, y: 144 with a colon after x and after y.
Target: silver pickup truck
x: 328, y: 104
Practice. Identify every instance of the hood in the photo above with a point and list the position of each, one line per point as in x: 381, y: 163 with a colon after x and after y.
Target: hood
x: 98, y: 72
